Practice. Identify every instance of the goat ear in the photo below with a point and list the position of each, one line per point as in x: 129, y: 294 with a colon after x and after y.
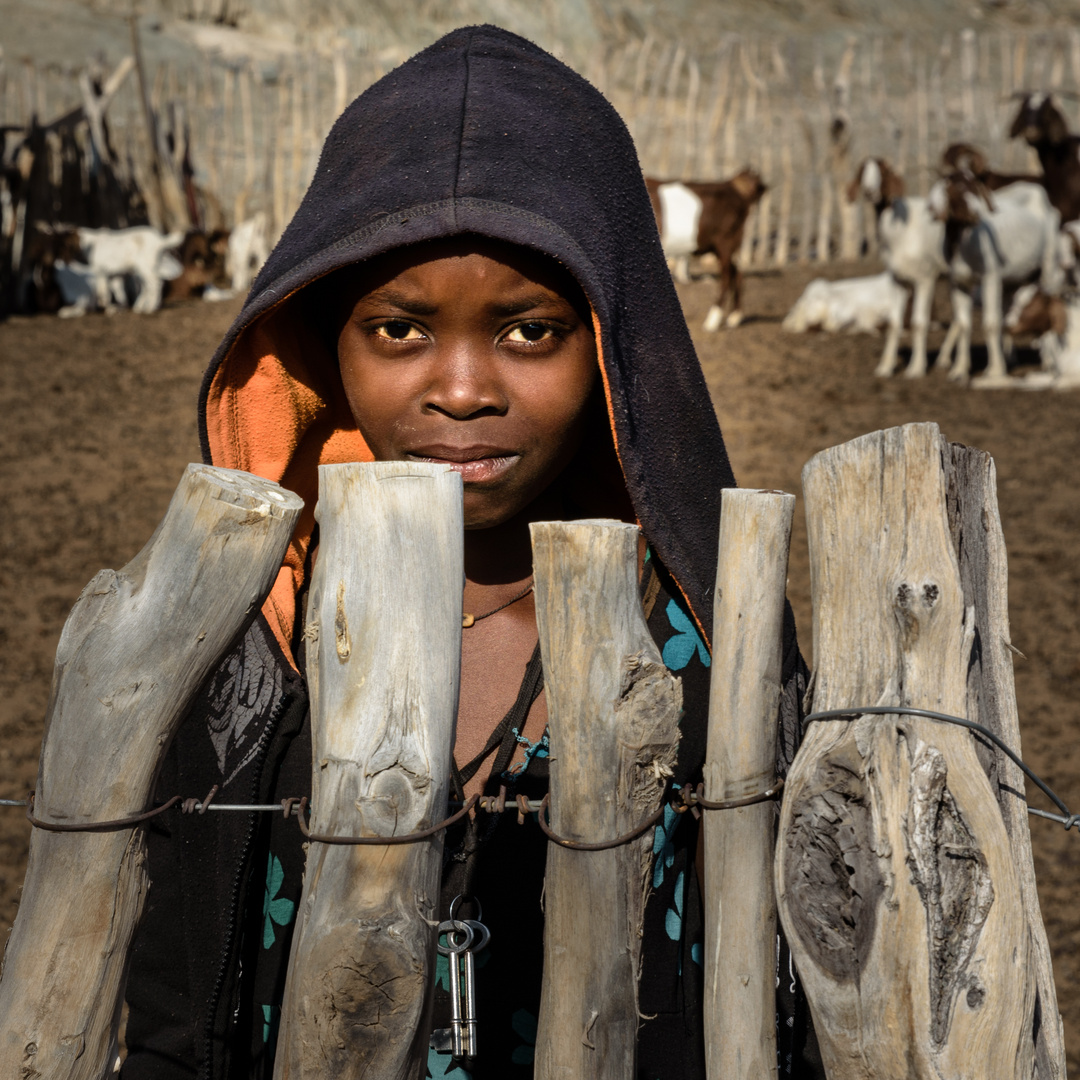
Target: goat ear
x: 45, y: 228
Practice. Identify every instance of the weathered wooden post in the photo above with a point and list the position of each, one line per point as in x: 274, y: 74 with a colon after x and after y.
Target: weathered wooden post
x: 136, y: 647
x: 740, y: 908
x: 899, y: 887
x: 384, y: 653
x: 991, y: 701
x: 613, y: 711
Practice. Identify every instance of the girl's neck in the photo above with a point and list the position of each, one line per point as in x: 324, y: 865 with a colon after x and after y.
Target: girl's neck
x: 503, y: 553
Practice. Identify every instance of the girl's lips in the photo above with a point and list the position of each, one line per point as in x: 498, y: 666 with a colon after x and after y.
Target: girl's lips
x: 476, y: 470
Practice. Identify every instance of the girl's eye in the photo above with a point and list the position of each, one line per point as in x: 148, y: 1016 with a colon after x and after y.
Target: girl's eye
x: 398, y: 330
x: 530, y: 333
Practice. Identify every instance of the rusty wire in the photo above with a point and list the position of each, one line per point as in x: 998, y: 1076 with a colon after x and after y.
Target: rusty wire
x: 687, y: 799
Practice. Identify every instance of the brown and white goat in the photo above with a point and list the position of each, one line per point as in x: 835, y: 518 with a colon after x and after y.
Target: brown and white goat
x: 696, y: 218
x: 965, y: 159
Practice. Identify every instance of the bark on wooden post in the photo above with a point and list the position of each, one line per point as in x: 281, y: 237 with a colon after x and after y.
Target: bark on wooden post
x: 991, y: 701
x: 896, y: 881
x: 613, y: 711
x: 740, y: 908
x: 136, y: 647
x: 384, y: 652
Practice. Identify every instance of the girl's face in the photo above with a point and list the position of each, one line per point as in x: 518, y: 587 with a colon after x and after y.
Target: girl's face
x: 472, y: 354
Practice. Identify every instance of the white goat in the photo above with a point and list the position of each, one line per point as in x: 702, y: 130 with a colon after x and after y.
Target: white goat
x: 137, y: 251
x: 912, y: 243
x: 248, y: 249
x: 1009, y: 237
x: 855, y: 305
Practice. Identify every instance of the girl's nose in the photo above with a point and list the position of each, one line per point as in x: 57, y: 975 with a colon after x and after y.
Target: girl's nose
x: 465, y: 383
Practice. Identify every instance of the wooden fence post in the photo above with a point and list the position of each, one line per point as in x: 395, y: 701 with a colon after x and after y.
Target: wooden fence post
x: 991, y: 701
x: 740, y: 908
x: 384, y: 651
x: 134, y: 650
x: 613, y: 710
x: 896, y: 881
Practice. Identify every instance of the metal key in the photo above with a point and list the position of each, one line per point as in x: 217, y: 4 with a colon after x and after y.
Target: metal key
x: 452, y: 950
x: 482, y: 937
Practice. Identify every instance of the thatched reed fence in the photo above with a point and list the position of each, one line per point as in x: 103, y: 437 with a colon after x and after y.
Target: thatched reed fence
x: 246, y: 135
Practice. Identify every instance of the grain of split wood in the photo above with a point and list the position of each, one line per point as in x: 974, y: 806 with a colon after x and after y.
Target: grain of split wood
x: 134, y: 650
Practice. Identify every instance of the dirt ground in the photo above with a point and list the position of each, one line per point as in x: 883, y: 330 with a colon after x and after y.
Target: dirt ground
x: 99, y: 421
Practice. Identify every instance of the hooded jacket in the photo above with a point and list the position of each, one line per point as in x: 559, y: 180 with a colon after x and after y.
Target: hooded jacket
x: 481, y: 133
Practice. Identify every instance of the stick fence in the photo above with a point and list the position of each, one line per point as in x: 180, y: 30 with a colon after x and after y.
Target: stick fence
x: 802, y: 112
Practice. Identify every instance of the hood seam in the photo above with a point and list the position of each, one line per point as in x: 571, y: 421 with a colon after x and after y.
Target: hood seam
x: 467, y: 59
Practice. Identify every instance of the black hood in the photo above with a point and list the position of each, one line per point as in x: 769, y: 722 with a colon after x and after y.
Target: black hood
x: 484, y: 132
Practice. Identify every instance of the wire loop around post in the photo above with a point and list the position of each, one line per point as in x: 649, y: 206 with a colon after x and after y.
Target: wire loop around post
x: 376, y: 841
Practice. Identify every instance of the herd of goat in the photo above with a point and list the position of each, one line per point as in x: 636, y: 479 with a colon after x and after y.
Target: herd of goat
x: 75, y: 270
x: 990, y: 233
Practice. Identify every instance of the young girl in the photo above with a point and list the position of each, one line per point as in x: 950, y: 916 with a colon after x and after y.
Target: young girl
x: 473, y: 278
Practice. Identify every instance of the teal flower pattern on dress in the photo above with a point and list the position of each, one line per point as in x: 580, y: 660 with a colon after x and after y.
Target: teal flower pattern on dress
x: 673, y: 919
x: 679, y: 649
x: 442, y: 1067
x: 663, y: 848
x: 276, y: 909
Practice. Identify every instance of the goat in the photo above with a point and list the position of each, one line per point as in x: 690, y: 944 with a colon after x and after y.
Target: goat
x: 698, y: 218
x: 1009, y: 237
x: 912, y: 243
x: 248, y: 249
x: 47, y: 249
x: 1040, y: 123
x: 202, y: 261
x: 854, y: 305
x: 965, y: 158
x: 1057, y: 322
x: 136, y: 251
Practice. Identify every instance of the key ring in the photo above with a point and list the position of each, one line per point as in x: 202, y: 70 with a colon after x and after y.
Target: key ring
x: 482, y: 932
x: 479, y: 909
x: 455, y: 926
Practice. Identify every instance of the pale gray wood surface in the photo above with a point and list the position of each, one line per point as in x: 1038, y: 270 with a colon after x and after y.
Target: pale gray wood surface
x: 613, y: 711
x: 744, y: 697
x: 896, y: 882
x: 991, y: 701
x: 133, y: 652
x: 384, y: 655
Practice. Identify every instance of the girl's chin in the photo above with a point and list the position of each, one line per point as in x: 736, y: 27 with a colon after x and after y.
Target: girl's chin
x: 481, y: 513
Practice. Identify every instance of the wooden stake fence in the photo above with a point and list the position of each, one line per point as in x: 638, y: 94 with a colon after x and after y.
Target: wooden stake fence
x: 383, y: 706
x: 903, y: 896
x: 613, y: 717
x: 903, y: 873
x: 744, y: 697
x: 135, y: 649
x: 810, y: 109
